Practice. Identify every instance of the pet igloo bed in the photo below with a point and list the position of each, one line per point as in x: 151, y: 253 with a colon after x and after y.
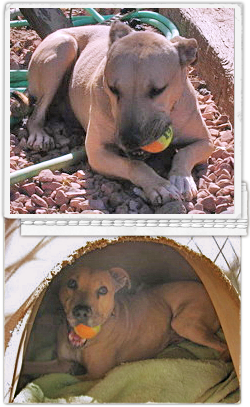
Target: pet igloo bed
x: 182, y: 373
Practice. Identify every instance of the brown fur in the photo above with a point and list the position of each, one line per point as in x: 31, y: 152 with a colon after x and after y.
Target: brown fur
x: 126, y: 88
x: 134, y: 326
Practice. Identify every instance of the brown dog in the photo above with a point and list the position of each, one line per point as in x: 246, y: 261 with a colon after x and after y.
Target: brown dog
x: 126, y: 88
x: 133, y: 326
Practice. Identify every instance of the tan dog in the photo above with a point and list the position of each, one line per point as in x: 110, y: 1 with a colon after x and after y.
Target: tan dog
x: 125, y: 89
x: 133, y: 326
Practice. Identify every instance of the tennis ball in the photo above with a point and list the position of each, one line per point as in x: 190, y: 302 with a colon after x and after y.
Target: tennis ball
x: 161, y: 144
x: 86, y: 332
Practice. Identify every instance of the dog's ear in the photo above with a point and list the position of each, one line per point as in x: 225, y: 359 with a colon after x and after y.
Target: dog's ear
x: 118, y: 30
x: 120, y: 278
x: 188, y: 50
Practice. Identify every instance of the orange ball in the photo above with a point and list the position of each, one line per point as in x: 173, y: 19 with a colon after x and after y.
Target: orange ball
x: 86, y: 332
x: 160, y: 144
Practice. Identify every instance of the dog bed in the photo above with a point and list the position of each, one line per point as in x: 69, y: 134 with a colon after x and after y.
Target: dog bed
x: 183, y: 373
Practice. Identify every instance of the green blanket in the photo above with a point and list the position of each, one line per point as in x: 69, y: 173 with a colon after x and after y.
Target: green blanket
x: 183, y: 373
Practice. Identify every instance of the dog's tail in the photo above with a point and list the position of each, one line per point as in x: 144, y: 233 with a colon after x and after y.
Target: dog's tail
x: 21, y: 104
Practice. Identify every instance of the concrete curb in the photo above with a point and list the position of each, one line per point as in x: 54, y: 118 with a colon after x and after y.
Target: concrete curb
x: 213, y: 28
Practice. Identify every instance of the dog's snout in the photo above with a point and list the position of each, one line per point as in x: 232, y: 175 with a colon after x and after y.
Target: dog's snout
x: 81, y: 312
x: 132, y: 136
x: 129, y: 135
x: 130, y: 141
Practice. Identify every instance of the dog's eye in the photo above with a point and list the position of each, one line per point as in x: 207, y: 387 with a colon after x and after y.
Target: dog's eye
x: 115, y: 91
x: 72, y: 284
x: 156, y: 91
x: 102, y: 290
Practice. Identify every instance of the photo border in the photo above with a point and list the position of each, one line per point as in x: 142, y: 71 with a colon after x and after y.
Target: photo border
x: 239, y: 187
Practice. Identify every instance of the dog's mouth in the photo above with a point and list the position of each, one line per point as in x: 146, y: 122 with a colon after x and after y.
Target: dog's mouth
x: 138, y: 154
x: 75, y: 340
x: 135, y: 153
x: 155, y: 144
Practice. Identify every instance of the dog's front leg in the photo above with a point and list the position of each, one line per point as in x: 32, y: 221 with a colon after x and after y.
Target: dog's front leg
x: 49, y: 63
x: 183, y: 163
x: 51, y: 366
x: 157, y: 189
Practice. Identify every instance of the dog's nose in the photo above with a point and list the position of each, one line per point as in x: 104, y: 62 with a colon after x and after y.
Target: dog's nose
x: 82, y: 312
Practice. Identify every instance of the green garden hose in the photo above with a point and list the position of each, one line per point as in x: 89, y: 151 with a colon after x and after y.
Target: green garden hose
x: 20, y: 89
x: 87, y: 20
x: 77, y: 21
x: 157, y: 24
x: 95, y: 17
x: 54, y: 164
x: 95, y: 14
x: 155, y: 16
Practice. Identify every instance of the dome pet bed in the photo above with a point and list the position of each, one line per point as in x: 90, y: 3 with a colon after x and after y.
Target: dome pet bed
x: 182, y: 373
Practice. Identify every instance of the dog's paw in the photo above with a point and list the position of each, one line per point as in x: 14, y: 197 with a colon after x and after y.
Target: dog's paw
x: 185, y: 185
x: 162, y: 192
x: 77, y: 369
x: 40, y: 141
